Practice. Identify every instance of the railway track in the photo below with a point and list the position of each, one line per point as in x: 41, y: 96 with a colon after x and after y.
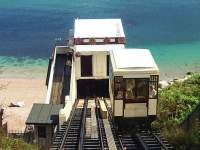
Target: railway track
x: 143, y: 140
x: 68, y: 135
x: 101, y: 130
x: 72, y: 134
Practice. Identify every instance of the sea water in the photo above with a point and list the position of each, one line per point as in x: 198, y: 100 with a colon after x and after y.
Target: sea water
x: 170, y: 29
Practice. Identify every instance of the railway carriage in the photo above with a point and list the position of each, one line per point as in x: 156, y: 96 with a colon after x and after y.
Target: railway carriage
x: 133, y: 86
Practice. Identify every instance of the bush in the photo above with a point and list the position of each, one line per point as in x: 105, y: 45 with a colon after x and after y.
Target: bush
x: 179, y: 99
x: 182, y: 140
x: 13, y: 144
x: 17, y: 144
x: 176, y: 102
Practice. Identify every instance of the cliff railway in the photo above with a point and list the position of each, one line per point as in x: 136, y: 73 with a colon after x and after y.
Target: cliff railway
x: 91, y: 127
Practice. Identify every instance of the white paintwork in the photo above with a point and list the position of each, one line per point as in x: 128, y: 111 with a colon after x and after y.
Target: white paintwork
x: 136, y: 75
x: 152, y: 106
x: 69, y: 99
x: 49, y: 89
x: 78, y: 67
x: 135, y: 58
x: 65, y: 112
x: 118, y: 110
x: 111, y: 95
x: 135, y: 110
x: 100, y: 28
x: 88, y: 49
x: 133, y: 61
x: 73, y: 86
x: 99, y: 66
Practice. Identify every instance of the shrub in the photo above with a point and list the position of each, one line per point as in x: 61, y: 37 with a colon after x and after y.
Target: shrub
x: 13, y: 144
x: 176, y: 102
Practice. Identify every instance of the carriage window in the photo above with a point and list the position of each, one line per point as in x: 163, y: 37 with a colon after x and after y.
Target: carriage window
x: 142, y: 88
x: 136, y: 89
x: 130, y: 89
x: 119, y: 88
x: 153, y: 86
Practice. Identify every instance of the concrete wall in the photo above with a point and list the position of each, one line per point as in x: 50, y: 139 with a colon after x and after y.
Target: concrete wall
x: 48, y: 96
x: 69, y: 99
x: 58, y: 50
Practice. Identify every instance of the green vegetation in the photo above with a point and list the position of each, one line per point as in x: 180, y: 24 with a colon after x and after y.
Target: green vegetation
x: 176, y: 102
x: 13, y: 144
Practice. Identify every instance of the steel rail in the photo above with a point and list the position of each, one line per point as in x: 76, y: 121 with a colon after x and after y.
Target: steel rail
x: 142, y: 143
x: 83, y: 123
x: 68, y: 127
x: 160, y: 141
x: 98, y: 124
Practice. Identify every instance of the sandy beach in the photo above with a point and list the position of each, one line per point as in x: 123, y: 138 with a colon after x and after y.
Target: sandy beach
x: 27, y: 90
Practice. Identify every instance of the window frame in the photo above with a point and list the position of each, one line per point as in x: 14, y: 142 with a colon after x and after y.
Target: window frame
x: 153, y: 80
x: 123, y: 89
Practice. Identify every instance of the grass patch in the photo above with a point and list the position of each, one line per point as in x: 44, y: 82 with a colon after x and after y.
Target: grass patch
x: 13, y: 144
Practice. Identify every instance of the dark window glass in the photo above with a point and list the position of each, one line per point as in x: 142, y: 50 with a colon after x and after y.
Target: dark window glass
x: 142, y: 88
x: 119, y: 87
x: 86, y: 66
x: 131, y: 89
x: 42, y: 131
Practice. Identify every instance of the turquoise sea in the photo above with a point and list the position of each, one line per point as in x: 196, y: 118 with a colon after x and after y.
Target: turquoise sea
x: 28, y: 29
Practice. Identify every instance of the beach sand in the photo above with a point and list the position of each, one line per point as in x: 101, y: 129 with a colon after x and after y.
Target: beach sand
x: 27, y: 90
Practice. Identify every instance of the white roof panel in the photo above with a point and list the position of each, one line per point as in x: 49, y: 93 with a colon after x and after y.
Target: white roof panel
x: 134, y: 59
x: 98, y: 28
x: 93, y: 48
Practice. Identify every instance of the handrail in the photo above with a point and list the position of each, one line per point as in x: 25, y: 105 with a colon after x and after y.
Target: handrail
x: 83, y: 123
x: 68, y: 127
